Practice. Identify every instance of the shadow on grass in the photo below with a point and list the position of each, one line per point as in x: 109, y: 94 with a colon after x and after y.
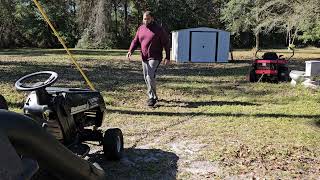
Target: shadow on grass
x: 104, y: 77
x: 122, y: 75
x: 110, y: 75
x: 163, y: 80
x: 189, y: 104
x: 140, y: 164
x: 183, y: 114
x: 206, y: 70
x: 241, y: 61
x: 317, y: 122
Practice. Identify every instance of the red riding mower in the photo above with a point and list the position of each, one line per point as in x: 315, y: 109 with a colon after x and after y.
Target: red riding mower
x: 271, y: 68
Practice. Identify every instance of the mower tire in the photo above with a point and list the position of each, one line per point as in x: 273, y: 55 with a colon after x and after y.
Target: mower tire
x: 252, y: 76
x: 113, y: 144
x: 284, y: 76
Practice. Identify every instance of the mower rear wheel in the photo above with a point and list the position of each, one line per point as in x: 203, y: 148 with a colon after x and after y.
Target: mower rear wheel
x: 3, y: 103
x: 113, y: 144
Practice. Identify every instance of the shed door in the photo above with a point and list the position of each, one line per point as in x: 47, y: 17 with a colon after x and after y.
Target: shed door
x: 203, y: 46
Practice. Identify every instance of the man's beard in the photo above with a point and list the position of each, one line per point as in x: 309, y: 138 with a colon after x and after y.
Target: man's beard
x: 148, y: 24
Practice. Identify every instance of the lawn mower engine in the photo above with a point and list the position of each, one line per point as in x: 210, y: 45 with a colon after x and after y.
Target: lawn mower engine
x: 270, y: 68
x: 71, y: 115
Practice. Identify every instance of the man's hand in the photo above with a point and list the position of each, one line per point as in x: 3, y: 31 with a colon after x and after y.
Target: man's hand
x: 166, y: 61
x: 129, y: 56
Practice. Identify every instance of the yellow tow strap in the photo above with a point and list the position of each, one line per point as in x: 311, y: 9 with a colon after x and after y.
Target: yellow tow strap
x: 63, y: 44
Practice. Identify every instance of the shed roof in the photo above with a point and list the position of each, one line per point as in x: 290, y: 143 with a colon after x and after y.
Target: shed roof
x: 198, y: 29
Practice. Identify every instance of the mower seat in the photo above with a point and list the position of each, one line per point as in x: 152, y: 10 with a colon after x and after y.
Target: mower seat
x: 270, y: 56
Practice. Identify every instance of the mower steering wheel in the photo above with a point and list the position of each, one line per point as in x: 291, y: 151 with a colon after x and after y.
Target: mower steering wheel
x: 23, y: 87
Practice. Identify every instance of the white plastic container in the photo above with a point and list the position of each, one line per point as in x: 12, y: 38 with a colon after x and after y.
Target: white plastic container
x: 312, y: 68
x: 296, y: 77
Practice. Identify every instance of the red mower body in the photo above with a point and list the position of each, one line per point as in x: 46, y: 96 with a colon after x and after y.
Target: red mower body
x: 269, y: 69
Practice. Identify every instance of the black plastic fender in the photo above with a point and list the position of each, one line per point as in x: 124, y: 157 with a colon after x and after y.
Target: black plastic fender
x: 31, y: 140
x: 3, y: 103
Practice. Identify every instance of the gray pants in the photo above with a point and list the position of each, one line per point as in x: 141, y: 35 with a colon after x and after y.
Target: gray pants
x: 149, y: 73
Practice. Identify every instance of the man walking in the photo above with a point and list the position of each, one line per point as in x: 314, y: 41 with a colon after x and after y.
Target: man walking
x: 152, y: 39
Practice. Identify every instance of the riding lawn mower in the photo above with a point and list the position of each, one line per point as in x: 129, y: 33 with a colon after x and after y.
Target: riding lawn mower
x: 62, y: 117
x: 270, y: 68
x: 67, y: 114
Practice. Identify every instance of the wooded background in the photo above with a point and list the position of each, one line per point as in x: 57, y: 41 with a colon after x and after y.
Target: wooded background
x: 113, y: 23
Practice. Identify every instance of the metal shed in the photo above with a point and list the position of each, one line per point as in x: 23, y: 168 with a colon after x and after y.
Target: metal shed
x: 200, y: 45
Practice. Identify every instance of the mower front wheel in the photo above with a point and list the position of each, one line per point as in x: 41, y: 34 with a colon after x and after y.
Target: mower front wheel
x: 252, y: 76
x: 113, y: 144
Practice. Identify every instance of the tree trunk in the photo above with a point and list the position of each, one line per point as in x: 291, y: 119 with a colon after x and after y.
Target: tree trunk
x: 96, y: 20
x: 126, y: 23
x: 288, y: 38
x: 257, y: 40
x: 295, y: 35
x: 116, y: 17
x: 138, y: 7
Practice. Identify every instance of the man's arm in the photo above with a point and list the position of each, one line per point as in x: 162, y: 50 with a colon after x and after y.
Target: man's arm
x: 165, y: 43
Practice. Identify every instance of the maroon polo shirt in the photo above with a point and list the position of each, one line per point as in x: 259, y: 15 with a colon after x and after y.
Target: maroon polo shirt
x: 152, y: 39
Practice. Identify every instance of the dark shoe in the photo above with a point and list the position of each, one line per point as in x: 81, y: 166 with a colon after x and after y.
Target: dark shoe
x: 151, y: 102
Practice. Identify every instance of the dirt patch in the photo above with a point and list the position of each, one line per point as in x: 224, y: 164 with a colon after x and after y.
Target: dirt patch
x: 186, y: 147
x: 203, y: 168
x: 189, y: 151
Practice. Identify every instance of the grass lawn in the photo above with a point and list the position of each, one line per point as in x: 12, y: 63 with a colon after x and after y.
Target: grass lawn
x: 209, y: 123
